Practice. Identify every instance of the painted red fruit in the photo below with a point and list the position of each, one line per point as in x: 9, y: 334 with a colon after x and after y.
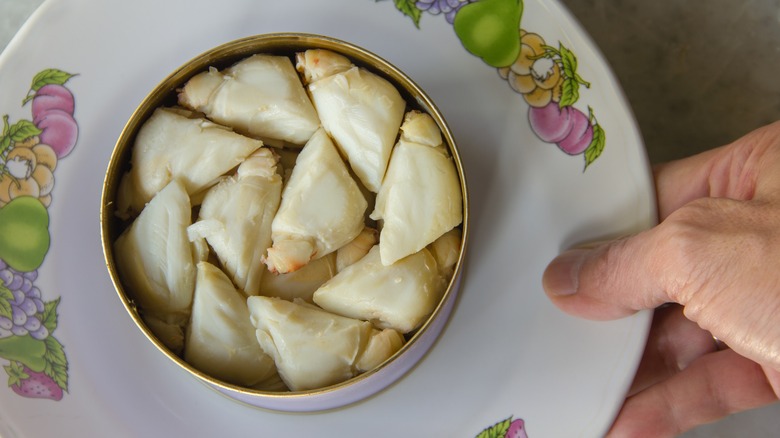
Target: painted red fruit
x: 60, y: 130
x: 52, y: 96
x: 516, y: 429
x: 38, y: 385
x: 551, y: 123
x: 580, y: 136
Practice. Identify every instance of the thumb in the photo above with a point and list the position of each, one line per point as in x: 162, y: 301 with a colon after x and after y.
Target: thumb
x: 685, y: 259
x: 607, y: 281
x: 706, y: 220
x: 713, y: 256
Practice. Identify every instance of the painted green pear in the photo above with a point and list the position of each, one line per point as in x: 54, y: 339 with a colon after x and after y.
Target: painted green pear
x: 24, y: 233
x: 24, y: 349
x: 490, y: 29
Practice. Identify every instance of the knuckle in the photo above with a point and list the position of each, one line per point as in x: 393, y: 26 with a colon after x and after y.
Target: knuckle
x: 683, y: 252
x: 704, y: 244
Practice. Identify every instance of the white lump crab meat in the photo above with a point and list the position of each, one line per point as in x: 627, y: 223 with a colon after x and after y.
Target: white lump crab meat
x: 175, y: 143
x: 400, y: 296
x: 420, y: 198
x: 220, y: 337
x: 313, y: 348
x: 322, y: 208
x: 359, y: 109
x: 260, y: 96
x: 446, y: 250
x: 356, y: 249
x: 304, y: 282
x: 156, y: 260
x: 167, y: 328
x: 236, y: 215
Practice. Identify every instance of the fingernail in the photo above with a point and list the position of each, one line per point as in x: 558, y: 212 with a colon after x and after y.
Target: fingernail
x: 562, y: 274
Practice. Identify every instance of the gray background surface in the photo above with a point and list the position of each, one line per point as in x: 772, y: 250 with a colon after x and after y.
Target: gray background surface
x: 697, y: 74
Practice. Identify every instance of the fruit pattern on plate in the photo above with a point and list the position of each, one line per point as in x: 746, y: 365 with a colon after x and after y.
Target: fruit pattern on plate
x: 546, y: 76
x: 30, y: 151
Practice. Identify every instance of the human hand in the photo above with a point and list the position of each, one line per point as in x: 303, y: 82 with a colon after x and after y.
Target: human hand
x: 716, y: 254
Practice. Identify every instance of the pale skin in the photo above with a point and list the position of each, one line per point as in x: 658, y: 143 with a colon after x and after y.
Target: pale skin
x: 711, y: 267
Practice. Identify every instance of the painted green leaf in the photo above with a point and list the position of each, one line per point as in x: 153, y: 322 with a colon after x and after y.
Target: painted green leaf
x: 22, y: 130
x: 5, y: 139
x: 5, y: 301
x: 596, y: 146
x: 408, y: 8
x: 49, y: 76
x: 19, y: 131
x: 570, y: 92
x: 46, y: 77
x: 498, y: 430
x: 56, y: 362
x: 16, y: 373
x: 568, y: 60
x: 55, y: 352
x: 49, y: 318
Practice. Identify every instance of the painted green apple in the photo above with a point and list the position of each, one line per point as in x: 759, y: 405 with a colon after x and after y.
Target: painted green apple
x: 24, y: 233
x: 490, y: 29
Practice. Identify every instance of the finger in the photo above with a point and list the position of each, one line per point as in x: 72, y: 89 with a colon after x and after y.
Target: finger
x: 712, y: 387
x: 681, y: 181
x: 673, y: 343
x: 727, y: 172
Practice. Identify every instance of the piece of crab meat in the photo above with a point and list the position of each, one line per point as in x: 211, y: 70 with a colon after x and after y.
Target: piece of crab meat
x: 260, y: 96
x: 302, y: 283
x: 313, y: 348
x: 315, y: 64
x: 236, y: 215
x: 446, y: 251
x: 359, y: 109
x: 357, y: 248
x: 220, y: 338
x: 154, y: 256
x: 400, y: 296
x: 176, y: 144
x: 381, y: 346
x: 168, y: 328
x: 420, y: 198
x: 322, y: 208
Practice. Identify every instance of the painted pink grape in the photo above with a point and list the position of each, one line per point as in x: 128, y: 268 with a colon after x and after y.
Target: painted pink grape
x: 580, y: 136
x: 52, y: 96
x: 550, y: 123
x: 60, y: 130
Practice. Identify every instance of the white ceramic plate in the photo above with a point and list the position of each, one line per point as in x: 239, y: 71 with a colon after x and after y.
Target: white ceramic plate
x: 507, y: 354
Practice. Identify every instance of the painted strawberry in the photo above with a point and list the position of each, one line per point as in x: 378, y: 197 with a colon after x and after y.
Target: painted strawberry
x: 507, y: 428
x: 31, y: 384
x: 516, y: 429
